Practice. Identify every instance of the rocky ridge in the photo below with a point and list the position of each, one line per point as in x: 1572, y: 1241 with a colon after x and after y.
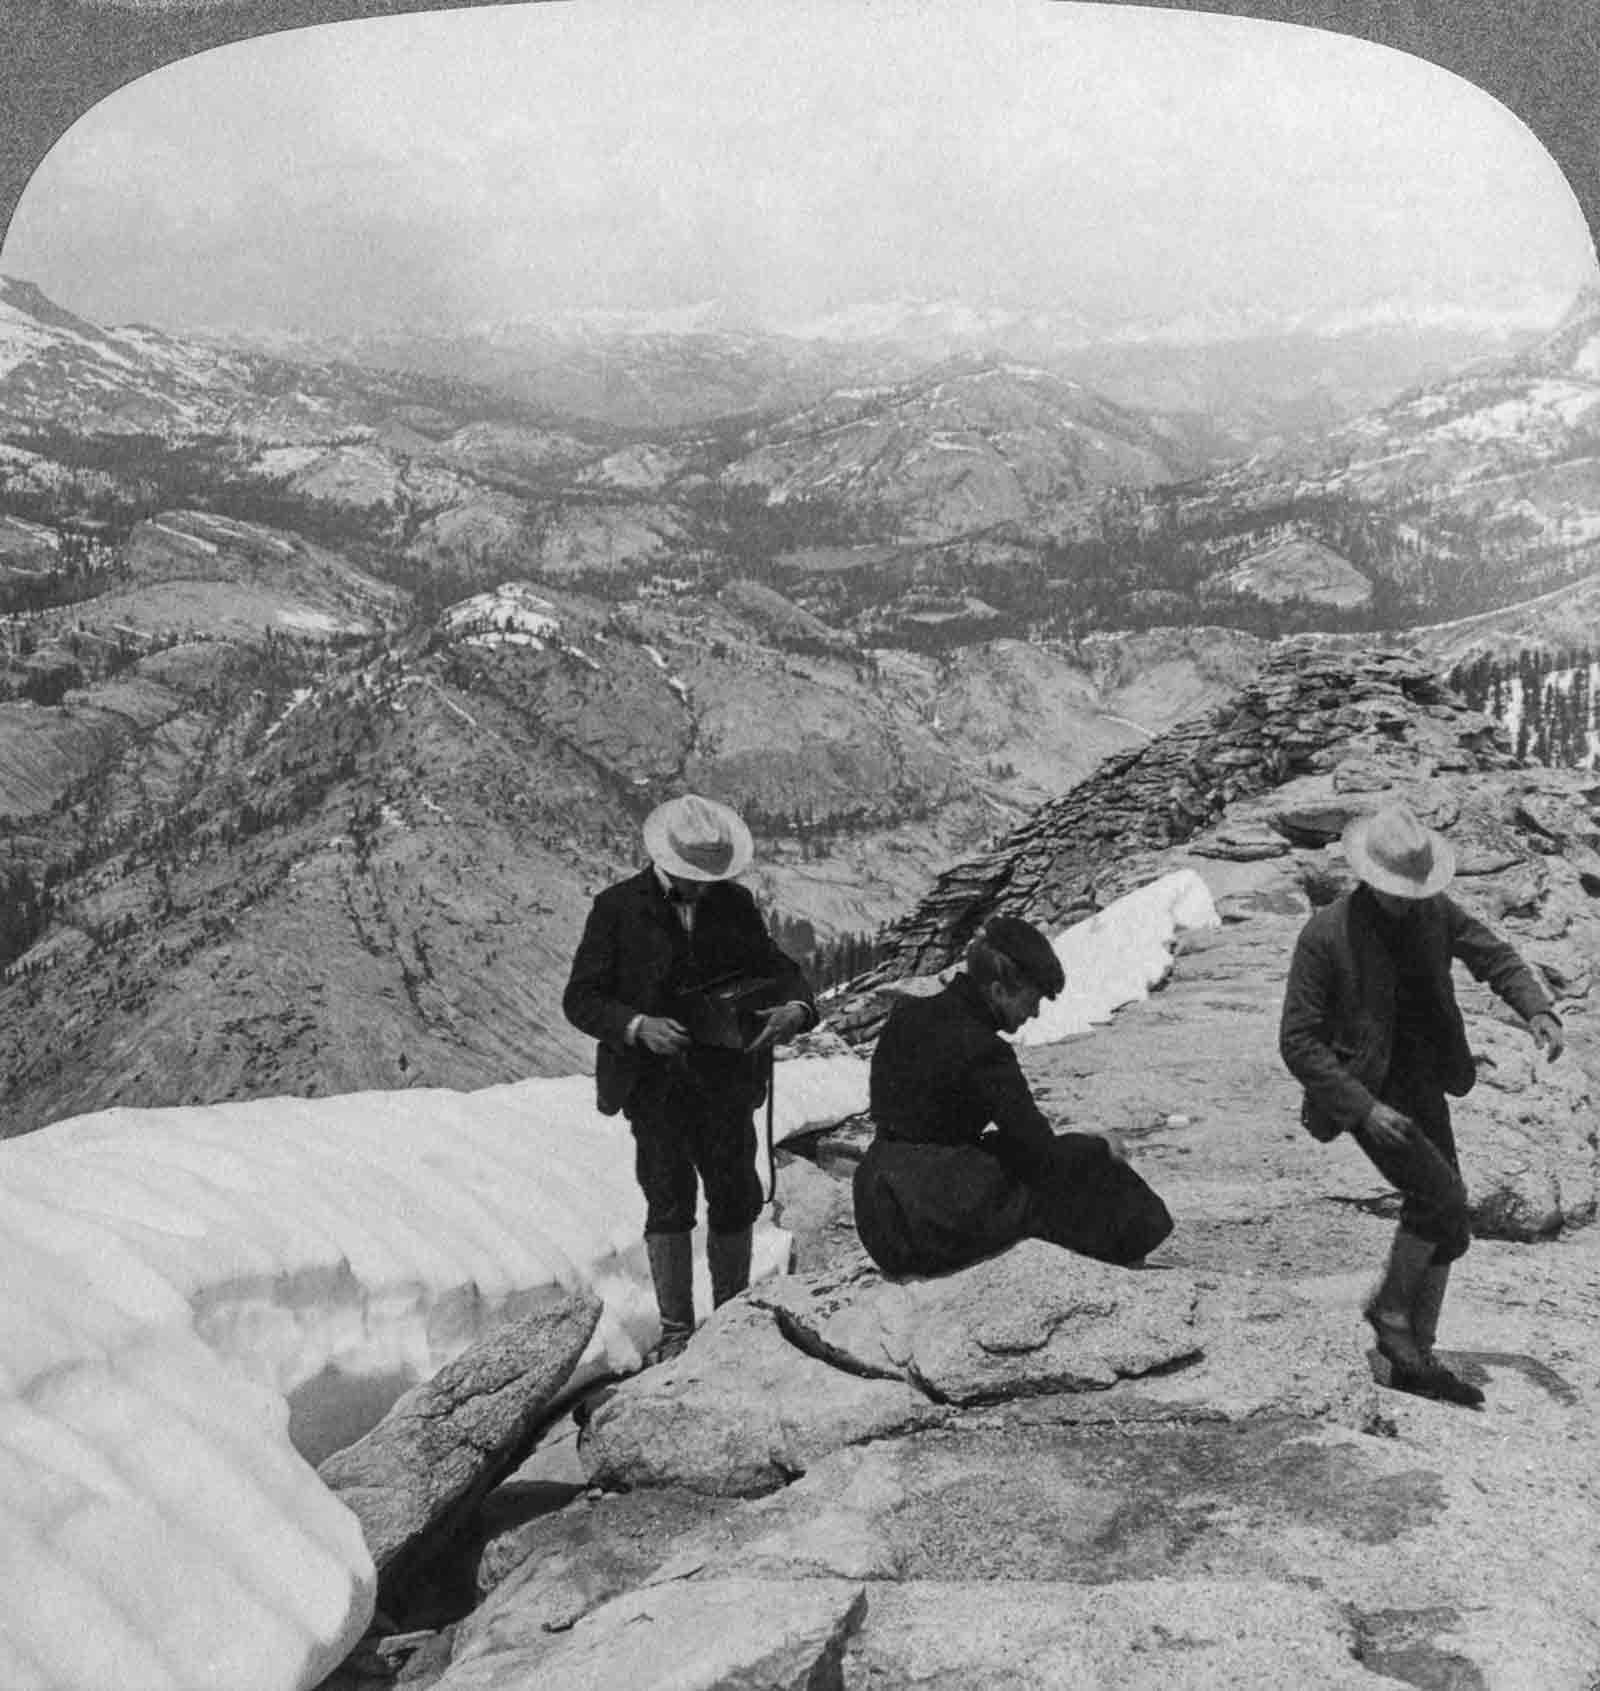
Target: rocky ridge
x: 1045, y: 1471
x: 961, y: 449
x: 1308, y: 711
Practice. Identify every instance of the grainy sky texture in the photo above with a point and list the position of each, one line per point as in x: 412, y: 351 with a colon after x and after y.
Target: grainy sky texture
x: 791, y: 157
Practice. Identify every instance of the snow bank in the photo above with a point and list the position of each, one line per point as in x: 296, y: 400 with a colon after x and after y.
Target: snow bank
x: 200, y: 1303
x: 1120, y: 953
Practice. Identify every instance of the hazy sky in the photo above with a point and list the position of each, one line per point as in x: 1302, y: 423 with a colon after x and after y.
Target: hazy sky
x: 791, y: 156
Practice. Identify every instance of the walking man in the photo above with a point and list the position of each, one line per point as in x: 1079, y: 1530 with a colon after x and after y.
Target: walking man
x: 651, y: 945
x: 1372, y: 1032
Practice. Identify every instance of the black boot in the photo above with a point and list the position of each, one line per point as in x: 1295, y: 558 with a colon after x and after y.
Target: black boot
x: 672, y: 1270
x: 1388, y: 1309
x: 728, y: 1257
x: 1442, y: 1382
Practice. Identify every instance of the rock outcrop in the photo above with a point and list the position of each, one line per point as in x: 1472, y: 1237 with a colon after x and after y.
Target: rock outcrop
x: 1382, y: 718
x: 742, y: 1412
x: 449, y: 1440
x: 1045, y: 1471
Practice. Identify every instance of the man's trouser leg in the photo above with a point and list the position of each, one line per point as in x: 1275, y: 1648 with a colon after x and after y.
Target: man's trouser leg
x: 1434, y: 1230
x: 1388, y: 1308
x: 728, y: 1258
x: 672, y: 1269
x: 1428, y: 1305
x: 723, y: 1144
x: 664, y: 1170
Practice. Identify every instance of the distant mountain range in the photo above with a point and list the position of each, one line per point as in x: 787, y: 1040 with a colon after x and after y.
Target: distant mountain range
x: 978, y: 494
x: 1235, y: 380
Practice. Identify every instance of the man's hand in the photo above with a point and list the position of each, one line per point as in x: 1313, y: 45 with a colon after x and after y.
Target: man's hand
x: 1548, y: 1035
x: 662, y: 1035
x: 1387, y: 1126
x: 779, y: 1025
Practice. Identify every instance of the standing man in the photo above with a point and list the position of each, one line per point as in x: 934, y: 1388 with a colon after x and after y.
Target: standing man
x: 1372, y: 1031
x: 964, y: 1162
x: 651, y: 943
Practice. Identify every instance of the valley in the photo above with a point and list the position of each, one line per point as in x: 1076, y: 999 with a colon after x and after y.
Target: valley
x: 330, y: 693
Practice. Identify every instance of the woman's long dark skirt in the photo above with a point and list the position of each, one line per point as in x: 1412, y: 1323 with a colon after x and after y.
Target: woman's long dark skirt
x: 930, y: 1209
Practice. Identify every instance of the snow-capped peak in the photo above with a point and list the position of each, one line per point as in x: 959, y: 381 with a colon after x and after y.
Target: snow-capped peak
x: 1524, y: 314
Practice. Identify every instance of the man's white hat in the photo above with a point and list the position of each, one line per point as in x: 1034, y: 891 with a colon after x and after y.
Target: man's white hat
x: 1392, y: 851
x: 698, y: 839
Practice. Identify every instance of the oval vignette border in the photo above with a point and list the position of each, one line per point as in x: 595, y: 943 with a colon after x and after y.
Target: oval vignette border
x: 59, y: 58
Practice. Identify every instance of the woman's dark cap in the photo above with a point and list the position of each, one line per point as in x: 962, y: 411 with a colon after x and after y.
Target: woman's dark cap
x: 1029, y: 950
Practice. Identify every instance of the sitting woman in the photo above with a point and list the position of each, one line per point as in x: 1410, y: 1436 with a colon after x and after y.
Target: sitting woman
x: 963, y: 1162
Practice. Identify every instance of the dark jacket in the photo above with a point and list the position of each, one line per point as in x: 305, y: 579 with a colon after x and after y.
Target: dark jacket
x: 941, y: 1074
x: 935, y: 1190
x: 1336, y: 1035
x: 635, y: 958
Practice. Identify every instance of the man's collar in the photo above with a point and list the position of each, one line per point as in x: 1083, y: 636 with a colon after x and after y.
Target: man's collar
x: 976, y: 996
x: 664, y: 884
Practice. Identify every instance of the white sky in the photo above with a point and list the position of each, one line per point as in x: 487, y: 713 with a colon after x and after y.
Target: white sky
x: 792, y: 156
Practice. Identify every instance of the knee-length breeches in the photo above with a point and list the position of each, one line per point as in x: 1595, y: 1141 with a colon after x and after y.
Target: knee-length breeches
x: 685, y: 1137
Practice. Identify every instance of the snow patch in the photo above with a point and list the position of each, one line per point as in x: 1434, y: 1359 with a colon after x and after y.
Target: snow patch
x: 310, y: 622
x: 188, y: 539
x: 201, y: 1302
x: 1119, y: 954
x: 297, y: 698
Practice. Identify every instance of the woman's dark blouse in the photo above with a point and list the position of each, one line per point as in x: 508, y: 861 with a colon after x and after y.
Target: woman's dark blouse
x: 941, y: 1074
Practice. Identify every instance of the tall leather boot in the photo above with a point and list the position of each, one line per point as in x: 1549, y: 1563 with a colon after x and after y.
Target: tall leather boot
x: 671, y: 1258
x: 1429, y: 1301
x: 1388, y: 1309
x: 728, y: 1258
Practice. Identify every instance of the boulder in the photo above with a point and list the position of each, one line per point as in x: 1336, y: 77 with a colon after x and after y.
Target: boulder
x: 815, y: 1209
x: 741, y: 1411
x: 998, y: 1496
x: 1526, y: 1138
x: 1314, y: 810
x: 1033, y: 1319
x: 560, y: 1564
x: 449, y: 1439
x: 702, y: 1635
x: 807, y: 1364
x: 1486, y: 844
x: 1274, y: 1548
x: 1242, y: 844
x: 1148, y: 1635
